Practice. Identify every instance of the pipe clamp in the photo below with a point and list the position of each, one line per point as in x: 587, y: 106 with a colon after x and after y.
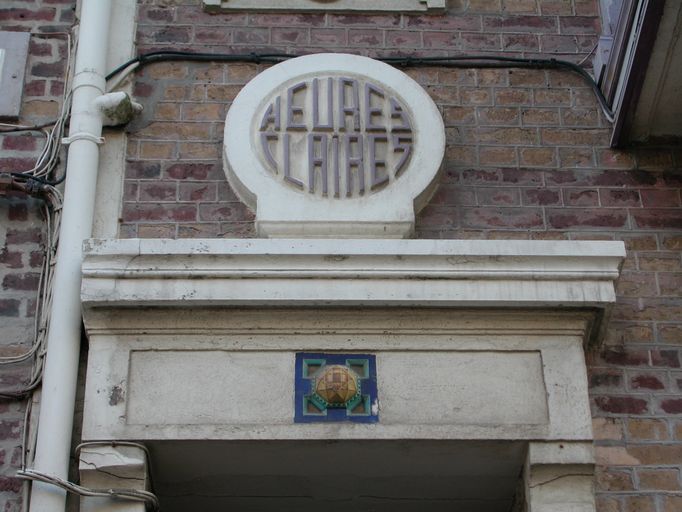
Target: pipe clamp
x: 83, y: 136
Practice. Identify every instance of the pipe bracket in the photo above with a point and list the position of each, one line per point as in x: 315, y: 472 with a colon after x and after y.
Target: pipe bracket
x: 83, y: 136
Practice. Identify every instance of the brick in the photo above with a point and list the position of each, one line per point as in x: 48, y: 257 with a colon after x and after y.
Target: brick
x: 519, y: 24
x: 496, y: 155
x: 200, y: 230
x: 201, y: 192
x: 672, y: 405
x: 579, y: 25
x: 21, y: 15
x: 619, y: 197
x: 167, y: 34
x: 659, y: 479
x: 157, y: 150
x: 143, y: 170
x: 289, y: 36
x: 23, y: 236
x: 539, y: 116
x: 660, y: 198
x: 510, y: 218
x: 459, y: 115
x: 586, y: 218
x: 576, y: 157
x: 354, y: 20
x: 162, y: 14
x: 498, y: 196
x: 365, y: 37
x: 40, y: 108
x: 203, y: 111
x: 444, y: 22
x: 579, y: 117
x: 613, y: 456
x: 520, y: 6
x: 28, y: 281
x: 251, y: 36
x: 476, y: 96
x: 605, y: 379
x: 403, y: 38
x: 457, y: 76
x: 448, y: 40
x: 18, y: 212
x: 639, y: 504
x: 520, y: 42
x: 453, y: 195
x: 193, y: 171
x: 480, y: 41
x: 223, y: 212
x: 157, y: 191
x: 540, y: 197
x: 637, y: 284
x: 607, y: 503
x: 162, y: 130
x: 512, y: 96
x: 443, y: 94
x: 672, y: 242
x: 156, y: 212
x: 657, y: 453
x: 670, y: 284
x: 503, y: 135
x: 574, y: 136
x: 646, y: 382
x: 9, y: 307
x: 672, y: 503
x: 658, y: 218
x: 199, y: 150
x: 19, y: 143
x: 621, y: 404
x: 485, y: 6
x: 212, y: 35
x: 222, y: 92
x: 640, y: 429
x: 329, y: 37
x: 490, y: 77
x: 156, y: 231
x: 665, y: 358
x: 610, y: 429
x: 610, y: 480
x: 11, y: 259
x: 660, y: 261
x: 670, y: 334
x: 495, y: 115
x: 586, y: 7
x: 556, y: 7
x: 558, y: 44
x: 538, y: 157
x: 581, y: 197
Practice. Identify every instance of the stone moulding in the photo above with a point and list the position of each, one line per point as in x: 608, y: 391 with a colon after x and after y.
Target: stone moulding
x: 326, y: 5
x: 348, y: 273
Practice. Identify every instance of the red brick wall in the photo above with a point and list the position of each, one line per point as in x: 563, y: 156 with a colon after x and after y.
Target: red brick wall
x: 22, y: 227
x: 527, y: 158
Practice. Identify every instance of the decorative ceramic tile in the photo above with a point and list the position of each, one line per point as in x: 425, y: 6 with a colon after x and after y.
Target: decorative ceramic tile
x: 336, y: 387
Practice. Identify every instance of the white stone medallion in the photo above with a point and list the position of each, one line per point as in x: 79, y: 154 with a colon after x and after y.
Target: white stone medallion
x: 333, y: 145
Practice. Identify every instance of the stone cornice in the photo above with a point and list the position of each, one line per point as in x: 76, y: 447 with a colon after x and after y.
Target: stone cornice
x: 280, y: 272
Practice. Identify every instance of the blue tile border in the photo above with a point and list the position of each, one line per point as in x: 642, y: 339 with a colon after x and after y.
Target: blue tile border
x: 304, y: 388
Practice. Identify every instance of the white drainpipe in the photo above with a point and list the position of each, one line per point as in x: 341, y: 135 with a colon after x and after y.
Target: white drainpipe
x: 61, y: 369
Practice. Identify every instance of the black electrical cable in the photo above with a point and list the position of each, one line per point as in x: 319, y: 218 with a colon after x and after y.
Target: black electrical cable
x: 463, y: 61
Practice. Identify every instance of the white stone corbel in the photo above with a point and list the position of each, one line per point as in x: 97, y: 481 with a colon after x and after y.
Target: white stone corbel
x: 113, y: 467
x: 559, y: 476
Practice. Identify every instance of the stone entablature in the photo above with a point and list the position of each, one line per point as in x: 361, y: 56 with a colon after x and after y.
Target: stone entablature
x: 326, y: 5
x: 471, y: 341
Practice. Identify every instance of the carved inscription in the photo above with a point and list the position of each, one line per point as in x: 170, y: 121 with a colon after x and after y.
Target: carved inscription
x: 336, y: 136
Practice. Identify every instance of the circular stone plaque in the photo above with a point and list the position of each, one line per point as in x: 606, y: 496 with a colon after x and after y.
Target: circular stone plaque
x: 333, y: 145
